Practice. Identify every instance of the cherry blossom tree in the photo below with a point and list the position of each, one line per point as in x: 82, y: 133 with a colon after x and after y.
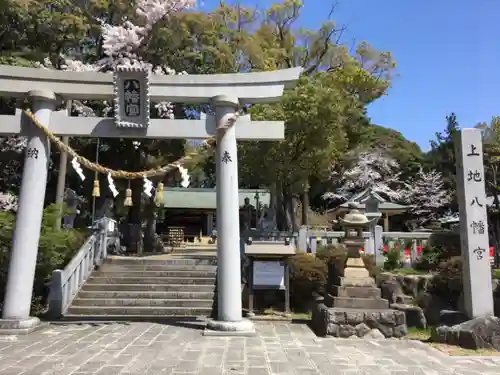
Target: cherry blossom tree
x: 427, y: 196
x: 370, y: 169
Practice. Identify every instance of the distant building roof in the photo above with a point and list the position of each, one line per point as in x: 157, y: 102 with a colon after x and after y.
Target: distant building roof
x: 199, y: 198
x: 362, y: 197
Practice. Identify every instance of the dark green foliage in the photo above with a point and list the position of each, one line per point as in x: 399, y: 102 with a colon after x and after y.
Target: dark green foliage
x: 393, y: 258
x: 447, y: 282
x: 371, y: 264
x: 429, y: 259
x: 307, y: 276
x: 56, y: 248
x: 335, y: 257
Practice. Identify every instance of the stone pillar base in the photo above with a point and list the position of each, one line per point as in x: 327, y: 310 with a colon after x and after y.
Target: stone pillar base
x: 19, y: 326
x: 244, y: 328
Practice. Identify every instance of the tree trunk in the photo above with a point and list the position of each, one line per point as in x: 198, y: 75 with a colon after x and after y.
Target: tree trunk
x: 288, y: 209
x: 150, y: 231
x: 134, y: 219
x: 304, y: 200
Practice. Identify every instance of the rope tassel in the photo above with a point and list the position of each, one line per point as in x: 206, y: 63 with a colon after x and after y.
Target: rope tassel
x: 128, y: 197
x: 96, y: 191
x: 159, y: 194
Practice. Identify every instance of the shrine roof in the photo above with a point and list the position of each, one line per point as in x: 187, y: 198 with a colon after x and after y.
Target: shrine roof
x: 200, y: 198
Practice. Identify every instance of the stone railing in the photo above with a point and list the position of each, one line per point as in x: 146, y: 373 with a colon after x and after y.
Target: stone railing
x: 308, y: 240
x: 66, y: 283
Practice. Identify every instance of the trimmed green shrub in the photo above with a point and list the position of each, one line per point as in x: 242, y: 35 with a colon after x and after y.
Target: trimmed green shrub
x: 446, y: 243
x: 393, y: 257
x: 335, y: 258
x: 307, y: 276
x: 429, y: 259
x: 447, y: 282
x: 56, y: 249
x: 371, y: 264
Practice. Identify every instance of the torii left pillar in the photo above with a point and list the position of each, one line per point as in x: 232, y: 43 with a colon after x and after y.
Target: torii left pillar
x: 17, y: 303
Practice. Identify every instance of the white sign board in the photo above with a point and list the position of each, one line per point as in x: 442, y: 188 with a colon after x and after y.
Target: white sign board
x: 269, y: 273
x: 478, y: 293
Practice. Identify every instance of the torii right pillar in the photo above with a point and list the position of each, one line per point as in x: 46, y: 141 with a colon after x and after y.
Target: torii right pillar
x: 229, y: 319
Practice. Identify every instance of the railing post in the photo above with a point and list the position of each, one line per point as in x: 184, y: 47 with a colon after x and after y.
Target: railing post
x: 56, y: 294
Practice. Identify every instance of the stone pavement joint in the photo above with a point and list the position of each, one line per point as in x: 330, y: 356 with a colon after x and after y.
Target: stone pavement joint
x: 279, y: 348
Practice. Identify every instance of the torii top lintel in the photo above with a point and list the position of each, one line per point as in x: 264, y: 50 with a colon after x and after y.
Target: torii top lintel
x: 250, y: 88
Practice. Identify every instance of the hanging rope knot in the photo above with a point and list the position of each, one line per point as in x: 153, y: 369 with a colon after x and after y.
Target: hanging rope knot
x: 209, y: 142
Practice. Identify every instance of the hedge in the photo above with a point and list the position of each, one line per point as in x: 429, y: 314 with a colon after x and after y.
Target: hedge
x: 56, y: 249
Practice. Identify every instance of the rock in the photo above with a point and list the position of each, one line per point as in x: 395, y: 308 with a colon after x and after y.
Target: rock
x: 332, y: 329
x: 390, y: 289
x: 346, y: 331
x: 409, y: 284
x: 374, y: 334
x: 451, y: 317
x: 478, y: 333
x: 414, y: 315
x: 432, y: 306
x: 362, y: 329
x: 400, y: 331
x: 353, y: 337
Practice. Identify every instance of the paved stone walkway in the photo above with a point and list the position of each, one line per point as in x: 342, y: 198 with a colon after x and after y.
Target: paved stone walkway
x: 279, y: 348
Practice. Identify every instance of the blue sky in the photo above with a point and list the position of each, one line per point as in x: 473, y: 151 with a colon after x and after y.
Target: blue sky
x: 447, y: 54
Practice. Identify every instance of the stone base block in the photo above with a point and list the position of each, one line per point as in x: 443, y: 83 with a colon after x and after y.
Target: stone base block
x: 351, y: 272
x: 478, y: 333
x: 243, y: 328
x: 373, y: 324
x: 356, y: 303
x: 355, y: 292
x: 451, y: 317
x: 415, y: 316
x: 356, y: 281
x: 19, y: 326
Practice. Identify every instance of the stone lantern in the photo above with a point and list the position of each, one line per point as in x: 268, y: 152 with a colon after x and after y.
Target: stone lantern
x: 354, y: 224
x: 354, y: 307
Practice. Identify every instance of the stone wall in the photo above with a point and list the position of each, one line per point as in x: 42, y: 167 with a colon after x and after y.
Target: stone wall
x: 412, y: 290
x: 375, y: 324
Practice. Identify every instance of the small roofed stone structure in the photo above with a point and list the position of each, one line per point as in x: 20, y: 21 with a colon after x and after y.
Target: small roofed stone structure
x: 369, y: 201
x: 352, y: 306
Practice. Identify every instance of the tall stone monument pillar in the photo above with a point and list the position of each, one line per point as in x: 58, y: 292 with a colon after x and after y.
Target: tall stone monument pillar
x: 16, y: 310
x: 478, y: 294
x: 229, y: 314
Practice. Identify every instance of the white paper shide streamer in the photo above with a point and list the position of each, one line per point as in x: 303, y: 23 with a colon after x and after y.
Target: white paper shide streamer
x: 184, y: 176
x: 112, y: 187
x: 78, y: 169
x: 148, y: 187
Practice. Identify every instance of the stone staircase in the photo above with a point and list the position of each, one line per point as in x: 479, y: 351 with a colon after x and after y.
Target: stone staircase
x: 142, y: 287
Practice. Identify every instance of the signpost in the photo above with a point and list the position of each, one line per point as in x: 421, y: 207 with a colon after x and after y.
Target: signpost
x: 478, y: 294
x: 269, y: 270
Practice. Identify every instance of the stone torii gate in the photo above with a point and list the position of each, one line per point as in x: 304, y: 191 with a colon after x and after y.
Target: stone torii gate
x: 132, y: 91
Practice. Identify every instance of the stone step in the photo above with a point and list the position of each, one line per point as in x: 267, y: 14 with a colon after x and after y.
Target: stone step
x: 127, y: 294
x: 151, y: 280
x: 153, y: 287
x: 156, y: 267
x: 184, y: 261
x: 152, y: 274
x: 357, y: 303
x: 356, y: 291
x: 126, y: 302
x: 356, y: 281
x: 165, y: 312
